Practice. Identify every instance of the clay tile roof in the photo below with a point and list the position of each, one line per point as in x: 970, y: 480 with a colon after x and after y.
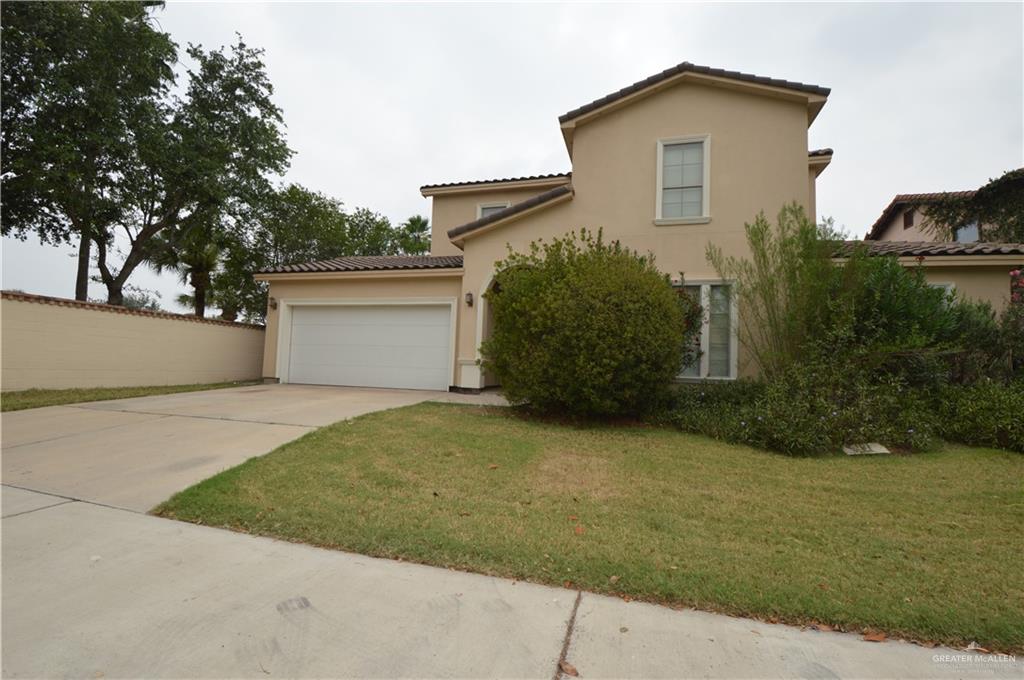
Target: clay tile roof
x: 901, y: 200
x: 687, y: 67
x: 554, y: 175
x: 514, y: 209
x: 930, y: 248
x: 370, y: 264
x: 819, y: 152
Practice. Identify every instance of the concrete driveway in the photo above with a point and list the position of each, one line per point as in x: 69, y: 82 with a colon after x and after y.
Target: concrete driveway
x: 136, y: 453
x: 93, y: 587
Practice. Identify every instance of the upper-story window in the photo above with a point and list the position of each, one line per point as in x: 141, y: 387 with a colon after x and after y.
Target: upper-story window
x: 908, y: 219
x: 683, y: 190
x: 967, y: 233
x: 487, y: 209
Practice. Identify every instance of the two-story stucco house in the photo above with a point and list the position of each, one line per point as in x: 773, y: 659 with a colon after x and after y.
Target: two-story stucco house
x: 666, y: 165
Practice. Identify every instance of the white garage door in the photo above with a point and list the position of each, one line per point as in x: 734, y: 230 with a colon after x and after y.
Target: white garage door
x: 371, y: 346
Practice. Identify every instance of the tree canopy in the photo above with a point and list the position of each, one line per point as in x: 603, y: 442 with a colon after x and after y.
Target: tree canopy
x: 79, y: 79
x: 98, y: 150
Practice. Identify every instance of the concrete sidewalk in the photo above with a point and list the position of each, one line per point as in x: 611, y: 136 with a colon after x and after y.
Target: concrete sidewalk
x: 92, y: 591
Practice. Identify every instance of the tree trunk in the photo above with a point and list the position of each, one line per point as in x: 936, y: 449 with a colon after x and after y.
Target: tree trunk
x: 82, y: 277
x: 198, y: 282
x: 84, y: 253
x: 200, y: 301
x: 115, y: 295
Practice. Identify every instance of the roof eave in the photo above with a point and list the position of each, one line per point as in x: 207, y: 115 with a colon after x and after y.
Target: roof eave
x: 460, y: 239
x: 819, y: 163
x: 361, y: 274
x: 815, y: 101
x: 480, y: 187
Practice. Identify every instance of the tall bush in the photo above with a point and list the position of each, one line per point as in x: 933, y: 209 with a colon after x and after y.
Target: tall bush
x: 587, y: 328
x: 783, y: 287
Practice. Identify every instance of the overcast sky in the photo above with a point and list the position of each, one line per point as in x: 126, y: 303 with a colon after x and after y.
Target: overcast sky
x: 381, y: 99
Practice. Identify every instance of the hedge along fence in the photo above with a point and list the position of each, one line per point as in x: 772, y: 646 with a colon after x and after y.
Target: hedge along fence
x: 48, y: 342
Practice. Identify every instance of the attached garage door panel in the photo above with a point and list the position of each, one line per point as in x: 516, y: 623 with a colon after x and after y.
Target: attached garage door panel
x: 371, y: 346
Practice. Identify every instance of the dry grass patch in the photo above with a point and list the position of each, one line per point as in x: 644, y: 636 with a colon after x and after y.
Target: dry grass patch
x: 566, y: 473
x: 925, y: 546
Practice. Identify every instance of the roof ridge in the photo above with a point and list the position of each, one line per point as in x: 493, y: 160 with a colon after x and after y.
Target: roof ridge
x: 901, y: 199
x: 356, y: 263
x: 474, y: 182
x: 690, y: 67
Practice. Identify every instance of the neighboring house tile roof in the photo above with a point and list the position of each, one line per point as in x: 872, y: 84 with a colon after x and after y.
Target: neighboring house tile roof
x: 820, y: 152
x: 504, y: 180
x: 116, y: 309
x: 687, y: 67
x: 909, y: 199
x: 370, y: 264
x: 522, y: 206
x: 930, y: 248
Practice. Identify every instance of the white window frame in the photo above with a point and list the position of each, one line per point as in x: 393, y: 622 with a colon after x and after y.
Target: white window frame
x: 705, y: 335
x: 499, y: 204
x: 706, y: 195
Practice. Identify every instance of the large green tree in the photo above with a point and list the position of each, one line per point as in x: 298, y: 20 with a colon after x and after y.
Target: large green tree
x: 78, y: 79
x: 206, y: 157
x: 97, y: 149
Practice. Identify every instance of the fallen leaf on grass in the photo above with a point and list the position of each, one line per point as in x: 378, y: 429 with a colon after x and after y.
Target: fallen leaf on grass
x: 579, y: 530
x: 492, y: 466
x: 823, y: 627
x: 975, y: 647
x: 568, y: 669
x: 613, y: 580
x: 573, y: 518
x: 567, y: 584
x: 874, y: 637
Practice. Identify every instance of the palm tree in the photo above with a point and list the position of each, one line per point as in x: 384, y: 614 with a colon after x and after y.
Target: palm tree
x: 194, y: 254
x: 414, y: 235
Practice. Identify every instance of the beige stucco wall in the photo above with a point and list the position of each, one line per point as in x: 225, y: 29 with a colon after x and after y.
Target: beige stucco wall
x: 758, y: 161
x: 54, y: 346
x: 453, y: 210
x: 988, y: 284
x: 348, y: 287
x: 894, y: 231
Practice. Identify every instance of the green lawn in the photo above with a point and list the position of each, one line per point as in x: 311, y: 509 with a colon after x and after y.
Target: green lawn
x: 926, y: 546
x: 16, y: 401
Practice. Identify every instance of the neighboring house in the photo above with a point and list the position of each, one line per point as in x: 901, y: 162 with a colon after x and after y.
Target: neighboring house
x: 905, y: 219
x: 666, y: 165
x: 966, y: 264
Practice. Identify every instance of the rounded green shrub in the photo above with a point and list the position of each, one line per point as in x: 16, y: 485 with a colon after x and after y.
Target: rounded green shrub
x: 587, y: 329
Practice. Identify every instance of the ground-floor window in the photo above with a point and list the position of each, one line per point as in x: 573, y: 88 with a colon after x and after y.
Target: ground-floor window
x: 717, y: 339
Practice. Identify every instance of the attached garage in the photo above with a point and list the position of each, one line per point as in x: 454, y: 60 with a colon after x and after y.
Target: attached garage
x: 370, y: 345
